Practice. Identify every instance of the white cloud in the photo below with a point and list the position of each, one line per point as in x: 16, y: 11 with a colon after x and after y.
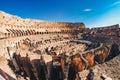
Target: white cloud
x: 87, y: 10
x: 117, y: 3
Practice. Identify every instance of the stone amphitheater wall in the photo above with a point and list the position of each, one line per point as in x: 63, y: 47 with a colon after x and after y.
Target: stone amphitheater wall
x: 112, y: 27
x: 8, y: 30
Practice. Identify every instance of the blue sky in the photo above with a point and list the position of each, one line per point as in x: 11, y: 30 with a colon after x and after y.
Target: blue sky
x: 93, y: 13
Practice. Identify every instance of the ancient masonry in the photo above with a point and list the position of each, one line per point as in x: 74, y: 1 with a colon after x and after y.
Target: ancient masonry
x: 14, y: 29
x: 38, y: 50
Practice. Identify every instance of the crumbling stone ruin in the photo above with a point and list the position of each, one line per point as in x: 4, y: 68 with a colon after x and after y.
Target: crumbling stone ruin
x: 41, y: 50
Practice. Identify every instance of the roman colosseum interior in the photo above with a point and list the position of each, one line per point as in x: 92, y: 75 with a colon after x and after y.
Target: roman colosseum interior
x: 43, y: 50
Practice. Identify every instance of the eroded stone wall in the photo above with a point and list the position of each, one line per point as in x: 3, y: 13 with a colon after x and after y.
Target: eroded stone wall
x: 32, y: 63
